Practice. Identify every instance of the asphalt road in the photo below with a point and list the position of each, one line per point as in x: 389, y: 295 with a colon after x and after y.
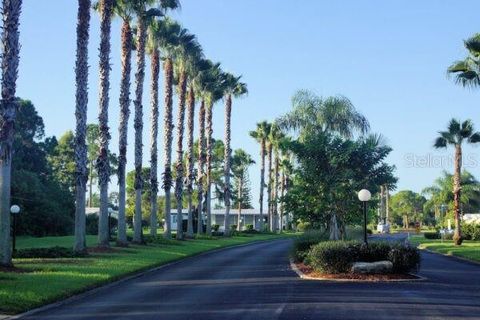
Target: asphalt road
x: 256, y: 282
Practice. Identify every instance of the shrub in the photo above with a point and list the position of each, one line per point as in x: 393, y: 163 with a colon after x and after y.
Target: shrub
x: 53, y: 252
x: 303, y: 243
x: 339, y: 256
x: 471, y: 231
x: 303, y: 226
x: 215, y: 227
x: 233, y: 227
x: 249, y: 227
x: 432, y: 235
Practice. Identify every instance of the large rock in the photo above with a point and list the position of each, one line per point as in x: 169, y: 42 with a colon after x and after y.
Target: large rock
x: 372, y: 267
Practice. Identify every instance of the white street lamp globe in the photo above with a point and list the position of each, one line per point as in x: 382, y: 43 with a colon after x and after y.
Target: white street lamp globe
x: 14, y: 209
x: 364, y: 195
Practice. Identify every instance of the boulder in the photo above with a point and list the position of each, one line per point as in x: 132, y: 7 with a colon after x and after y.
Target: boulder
x: 372, y: 267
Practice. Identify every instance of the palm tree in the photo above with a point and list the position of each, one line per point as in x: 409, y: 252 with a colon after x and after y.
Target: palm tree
x: 276, y: 137
x: 312, y: 113
x: 125, y: 10
x: 193, y: 75
x: 214, y: 93
x: 286, y: 169
x: 11, y: 48
x: 232, y: 87
x: 169, y: 31
x: 81, y: 99
x: 261, y: 135
x: 144, y: 13
x: 241, y: 160
x: 187, y: 53
x: 102, y: 163
x: 457, y: 133
x: 467, y: 71
x: 201, y: 164
x: 153, y: 51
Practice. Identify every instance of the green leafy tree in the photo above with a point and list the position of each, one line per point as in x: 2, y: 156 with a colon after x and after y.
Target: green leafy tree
x: 241, y: 161
x: 407, y: 206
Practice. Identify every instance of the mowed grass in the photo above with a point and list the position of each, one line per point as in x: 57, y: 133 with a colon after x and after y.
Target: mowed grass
x: 48, y: 280
x: 469, y: 249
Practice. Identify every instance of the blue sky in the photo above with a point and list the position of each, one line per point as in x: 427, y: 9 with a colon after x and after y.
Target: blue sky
x: 388, y: 57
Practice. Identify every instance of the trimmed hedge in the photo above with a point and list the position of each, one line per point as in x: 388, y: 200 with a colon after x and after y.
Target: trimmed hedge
x: 53, y: 252
x: 432, y: 235
x: 303, y: 243
x: 339, y: 256
x: 471, y: 231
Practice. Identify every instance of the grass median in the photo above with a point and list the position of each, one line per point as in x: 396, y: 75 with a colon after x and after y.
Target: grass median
x: 468, y: 250
x: 42, y: 281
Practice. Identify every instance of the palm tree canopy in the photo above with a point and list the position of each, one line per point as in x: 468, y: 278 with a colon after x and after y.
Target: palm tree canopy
x: 262, y: 131
x: 210, y: 82
x: 233, y: 85
x: 467, y: 71
x: 241, y: 160
x: 312, y: 113
x: 456, y: 134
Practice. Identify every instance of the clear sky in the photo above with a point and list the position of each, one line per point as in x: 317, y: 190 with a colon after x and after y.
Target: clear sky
x: 388, y: 57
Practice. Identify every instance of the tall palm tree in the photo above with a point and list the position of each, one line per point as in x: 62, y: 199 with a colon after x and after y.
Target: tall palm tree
x: 241, y: 161
x: 201, y: 164
x: 11, y: 48
x: 456, y: 134
x: 261, y: 135
x: 144, y: 14
x: 125, y: 10
x: 286, y: 171
x: 276, y: 137
x: 232, y: 87
x: 467, y: 71
x: 194, y: 72
x: 169, y: 40
x: 153, y: 51
x: 213, y: 94
x: 102, y: 163
x: 81, y: 102
x: 187, y: 52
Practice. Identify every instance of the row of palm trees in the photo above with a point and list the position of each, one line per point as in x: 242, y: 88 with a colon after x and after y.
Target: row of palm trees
x: 272, y: 140
x: 187, y: 72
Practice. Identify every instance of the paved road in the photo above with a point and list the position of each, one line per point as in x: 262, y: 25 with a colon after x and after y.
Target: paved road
x: 255, y: 282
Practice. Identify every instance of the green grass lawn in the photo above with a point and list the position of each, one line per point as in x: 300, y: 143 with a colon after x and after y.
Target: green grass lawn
x: 48, y: 280
x: 468, y: 250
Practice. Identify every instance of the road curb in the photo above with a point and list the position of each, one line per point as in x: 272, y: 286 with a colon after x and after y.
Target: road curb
x: 140, y: 274
x: 302, y: 275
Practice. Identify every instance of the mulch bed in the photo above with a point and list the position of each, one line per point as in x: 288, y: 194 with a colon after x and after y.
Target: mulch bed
x: 101, y: 250
x: 308, y: 271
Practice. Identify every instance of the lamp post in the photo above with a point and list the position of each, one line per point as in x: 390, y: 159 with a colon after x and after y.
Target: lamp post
x: 364, y: 195
x: 14, y: 210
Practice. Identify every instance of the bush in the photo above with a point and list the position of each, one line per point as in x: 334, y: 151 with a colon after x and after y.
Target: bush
x: 53, y: 252
x: 303, y: 243
x: 303, y: 226
x: 471, y: 231
x: 339, y: 256
x: 215, y: 227
x: 432, y: 235
x: 249, y: 227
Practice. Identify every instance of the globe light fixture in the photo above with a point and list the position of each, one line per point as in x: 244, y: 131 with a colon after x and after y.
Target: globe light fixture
x: 364, y: 195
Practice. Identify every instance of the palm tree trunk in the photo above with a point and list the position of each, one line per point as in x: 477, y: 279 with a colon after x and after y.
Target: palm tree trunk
x: 227, y: 160
x: 282, y: 194
x: 269, y: 187
x: 103, y: 165
x: 457, y: 237
x: 262, y: 182
x: 201, y: 161
x: 182, y: 88
x: 209, y: 117
x: 81, y: 102
x: 138, y: 125
x: 153, y: 140
x: 240, y: 190
x: 123, y: 129
x: 275, y: 191
x: 168, y: 127
x: 190, y: 158
x: 90, y: 183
